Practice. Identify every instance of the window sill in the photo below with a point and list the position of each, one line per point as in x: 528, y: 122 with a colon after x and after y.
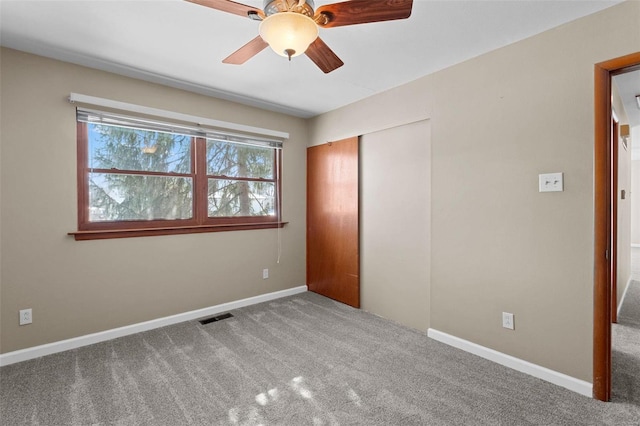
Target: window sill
x: 170, y: 230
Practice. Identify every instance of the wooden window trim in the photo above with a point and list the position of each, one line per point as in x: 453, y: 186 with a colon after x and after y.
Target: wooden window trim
x: 200, y: 223
x: 170, y: 230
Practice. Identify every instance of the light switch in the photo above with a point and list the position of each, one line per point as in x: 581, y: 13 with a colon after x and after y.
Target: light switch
x: 550, y: 182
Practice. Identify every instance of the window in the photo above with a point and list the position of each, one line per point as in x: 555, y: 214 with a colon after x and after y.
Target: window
x: 140, y: 177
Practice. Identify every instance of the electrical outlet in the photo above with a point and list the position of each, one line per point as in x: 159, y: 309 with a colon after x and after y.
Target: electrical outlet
x: 26, y: 316
x: 507, y: 321
x: 265, y: 274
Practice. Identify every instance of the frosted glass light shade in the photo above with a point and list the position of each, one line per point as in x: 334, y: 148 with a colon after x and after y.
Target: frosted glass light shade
x: 289, y: 34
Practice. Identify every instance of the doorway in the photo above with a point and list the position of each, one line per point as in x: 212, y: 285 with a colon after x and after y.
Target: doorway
x: 605, y: 226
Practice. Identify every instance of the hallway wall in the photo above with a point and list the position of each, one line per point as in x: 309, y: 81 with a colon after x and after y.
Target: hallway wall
x: 624, y: 203
x: 635, y: 185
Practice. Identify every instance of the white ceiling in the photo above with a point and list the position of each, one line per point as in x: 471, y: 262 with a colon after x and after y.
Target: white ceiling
x: 182, y: 45
x: 629, y: 87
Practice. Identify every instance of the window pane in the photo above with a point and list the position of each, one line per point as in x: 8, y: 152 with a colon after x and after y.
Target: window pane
x: 239, y: 198
x: 114, y: 197
x: 237, y: 160
x: 141, y: 150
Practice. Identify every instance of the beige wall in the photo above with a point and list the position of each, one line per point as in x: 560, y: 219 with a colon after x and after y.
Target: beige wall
x: 497, y: 121
x: 75, y: 288
x: 497, y: 243
x: 394, y: 223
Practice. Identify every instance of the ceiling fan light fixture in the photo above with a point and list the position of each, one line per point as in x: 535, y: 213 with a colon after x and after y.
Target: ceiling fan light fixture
x: 289, y: 34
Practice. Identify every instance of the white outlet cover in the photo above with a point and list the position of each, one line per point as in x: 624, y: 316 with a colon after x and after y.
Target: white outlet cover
x: 26, y: 316
x: 551, y: 182
x: 507, y: 320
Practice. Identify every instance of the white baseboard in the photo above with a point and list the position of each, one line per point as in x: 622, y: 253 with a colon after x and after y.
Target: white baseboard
x: 624, y: 293
x: 560, y: 379
x: 90, y: 339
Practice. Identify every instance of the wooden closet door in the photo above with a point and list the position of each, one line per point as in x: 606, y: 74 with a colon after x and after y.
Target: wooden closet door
x: 333, y: 260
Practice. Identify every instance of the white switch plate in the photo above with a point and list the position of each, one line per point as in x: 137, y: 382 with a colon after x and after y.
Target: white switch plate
x: 550, y: 182
x: 265, y: 274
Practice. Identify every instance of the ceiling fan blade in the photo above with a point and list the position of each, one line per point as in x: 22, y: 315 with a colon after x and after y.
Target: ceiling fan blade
x: 246, y: 52
x: 229, y: 6
x: 323, y: 56
x: 362, y: 11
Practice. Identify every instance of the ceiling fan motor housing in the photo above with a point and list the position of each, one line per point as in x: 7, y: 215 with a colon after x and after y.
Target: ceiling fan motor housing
x: 276, y: 6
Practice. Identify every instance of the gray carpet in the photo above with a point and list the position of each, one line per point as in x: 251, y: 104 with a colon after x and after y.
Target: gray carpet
x: 302, y: 360
x: 626, y: 349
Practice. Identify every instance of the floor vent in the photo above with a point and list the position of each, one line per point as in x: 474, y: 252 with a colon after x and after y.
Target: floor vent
x: 216, y: 318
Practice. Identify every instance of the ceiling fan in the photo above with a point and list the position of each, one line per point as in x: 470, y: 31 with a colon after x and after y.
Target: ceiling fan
x: 290, y: 27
